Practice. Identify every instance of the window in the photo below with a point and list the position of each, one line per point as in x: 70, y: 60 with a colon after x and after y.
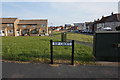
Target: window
x: 33, y: 25
x: 24, y: 26
x: 3, y: 32
x: 43, y: 31
x: 42, y: 25
x: 10, y: 31
x: 9, y: 24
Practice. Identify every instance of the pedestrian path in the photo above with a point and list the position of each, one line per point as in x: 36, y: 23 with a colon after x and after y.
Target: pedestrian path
x: 40, y: 70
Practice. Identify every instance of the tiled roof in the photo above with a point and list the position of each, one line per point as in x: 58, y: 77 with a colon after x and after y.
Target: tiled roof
x: 114, y: 18
x: 111, y: 18
x: 7, y: 20
x: 41, y: 21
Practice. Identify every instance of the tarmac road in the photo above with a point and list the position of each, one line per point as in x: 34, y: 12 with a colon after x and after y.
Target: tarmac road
x: 32, y: 70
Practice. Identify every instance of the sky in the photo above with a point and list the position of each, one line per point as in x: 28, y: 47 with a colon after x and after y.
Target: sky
x: 59, y: 13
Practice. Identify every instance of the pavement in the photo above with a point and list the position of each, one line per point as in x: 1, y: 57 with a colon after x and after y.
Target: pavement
x: 42, y: 70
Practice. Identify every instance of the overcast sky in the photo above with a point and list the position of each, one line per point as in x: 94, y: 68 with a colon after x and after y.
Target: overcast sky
x: 59, y: 13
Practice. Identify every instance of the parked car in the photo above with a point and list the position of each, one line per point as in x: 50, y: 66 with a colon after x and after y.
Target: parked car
x: 107, y: 29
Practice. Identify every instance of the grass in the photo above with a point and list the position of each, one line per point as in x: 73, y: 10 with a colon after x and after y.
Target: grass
x: 75, y: 36
x: 37, y: 49
x: 80, y: 37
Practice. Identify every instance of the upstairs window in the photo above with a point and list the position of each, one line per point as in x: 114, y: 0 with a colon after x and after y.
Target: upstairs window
x: 9, y: 24
x: 24, y: 26
x: 33, y: 25
x: 42, y: 25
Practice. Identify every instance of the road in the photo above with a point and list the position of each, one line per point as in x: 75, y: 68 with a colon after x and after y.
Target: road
x: 32, y: 70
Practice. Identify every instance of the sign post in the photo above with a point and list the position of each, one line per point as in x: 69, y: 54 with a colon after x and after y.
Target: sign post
x: 51, y: 48
x: 72, y: 52
x: 62, y: 44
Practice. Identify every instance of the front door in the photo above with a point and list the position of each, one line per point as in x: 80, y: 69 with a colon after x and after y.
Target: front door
x: 2, y: 33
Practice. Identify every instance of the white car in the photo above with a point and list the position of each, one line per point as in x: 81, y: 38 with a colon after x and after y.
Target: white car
x: 2, y: 33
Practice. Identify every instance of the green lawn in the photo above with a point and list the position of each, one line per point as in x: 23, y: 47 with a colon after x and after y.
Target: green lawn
x: 37, y: 49
x: 75, y: 36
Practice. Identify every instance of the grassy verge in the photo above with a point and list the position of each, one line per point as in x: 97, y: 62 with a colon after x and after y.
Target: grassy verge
x: 37, y: 49
x: 75, y: 36
x: 80, y: 37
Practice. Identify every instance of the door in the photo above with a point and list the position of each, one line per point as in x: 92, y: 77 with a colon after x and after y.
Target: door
x: 2, y: 33
x: 18, y: 33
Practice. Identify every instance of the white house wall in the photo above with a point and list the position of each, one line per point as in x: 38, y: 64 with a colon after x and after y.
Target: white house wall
x: 113, y: 25
x: 100, y: 26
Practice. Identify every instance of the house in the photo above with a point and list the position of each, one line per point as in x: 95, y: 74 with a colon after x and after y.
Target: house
x: 52, y: 28
x: 110, y: 22
x: 8, y: 26
x: 87, y: 27
x: 30, y: 27
x: 68, y: 26
x: 16, y: 27
x: 79, y: 25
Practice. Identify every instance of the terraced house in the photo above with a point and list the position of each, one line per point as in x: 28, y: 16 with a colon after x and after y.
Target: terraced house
x: 16, y: 27
x: 8, y: 26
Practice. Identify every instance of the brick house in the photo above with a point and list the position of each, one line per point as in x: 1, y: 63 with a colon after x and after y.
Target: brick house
x: 33, y: 27
x: 8, y: 26
x: 16, y: 27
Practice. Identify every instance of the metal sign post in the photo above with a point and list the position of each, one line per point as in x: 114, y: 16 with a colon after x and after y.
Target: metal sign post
x: 62, y: 44
x: 51, y: 48
x: 72, y: 52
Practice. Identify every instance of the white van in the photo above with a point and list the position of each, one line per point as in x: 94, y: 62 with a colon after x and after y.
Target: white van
x: 2, y: 33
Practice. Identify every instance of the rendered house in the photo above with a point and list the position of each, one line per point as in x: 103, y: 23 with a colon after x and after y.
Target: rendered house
x: 111, y: 21
x: 88, y: 27
x: 79, y: 25
x: 16, y: 27
x: 8, y: 26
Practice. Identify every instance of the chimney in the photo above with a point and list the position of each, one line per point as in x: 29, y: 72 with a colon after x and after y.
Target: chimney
x: 112, y: 13
x: 94, y: 20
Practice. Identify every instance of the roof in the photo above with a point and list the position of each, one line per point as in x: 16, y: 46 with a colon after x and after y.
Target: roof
x: 111, y: 18
x: 114, y: 18
x: 41, y: 21
x: 8, y: 20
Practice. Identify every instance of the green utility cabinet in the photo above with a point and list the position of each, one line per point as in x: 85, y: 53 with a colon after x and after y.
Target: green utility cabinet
x: 63, y: 36
x: 106, y: 46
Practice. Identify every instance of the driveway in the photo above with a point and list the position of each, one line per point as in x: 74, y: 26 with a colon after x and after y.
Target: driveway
x: 32, y: 70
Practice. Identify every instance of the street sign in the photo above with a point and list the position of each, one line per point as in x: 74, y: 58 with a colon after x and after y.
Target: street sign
x: 62, y: 44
